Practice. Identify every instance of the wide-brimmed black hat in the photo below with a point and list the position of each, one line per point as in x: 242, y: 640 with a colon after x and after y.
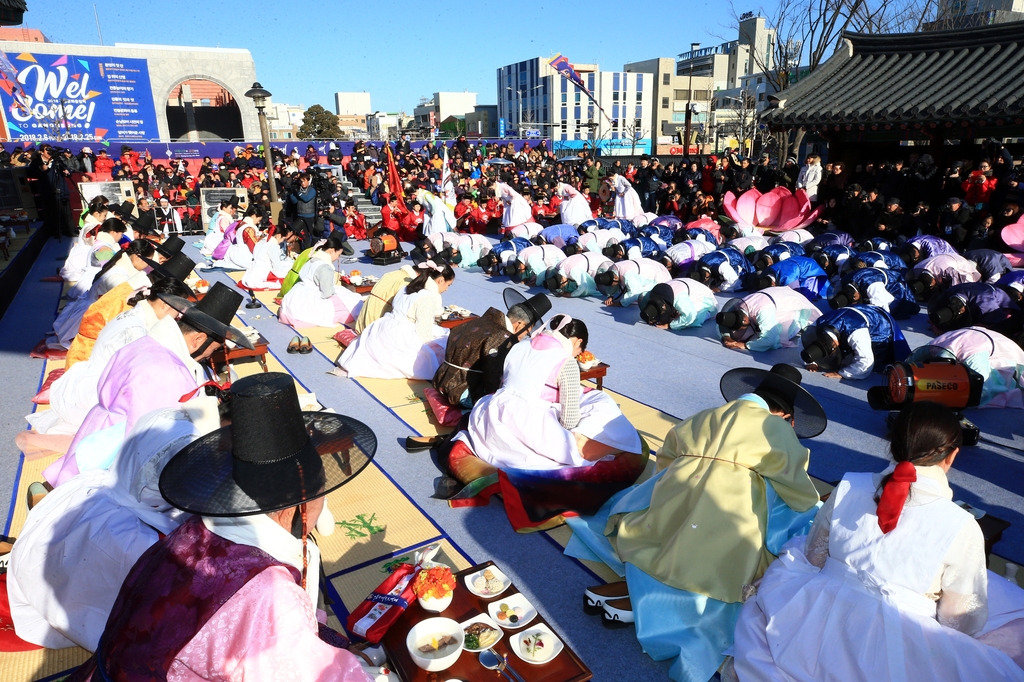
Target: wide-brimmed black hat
x: 273, y: 456
x: 660, y: 306
x: 955, y: 314
x: 124, y: 211
x: 821, y: 346
x: 730, y: 318
x: 606, y: 278
x: 179, y: 267
x: 846, y: 296
x: 780, y: 385
x: 213, y: 314
x: 537, y: 305
x: 170, y: 246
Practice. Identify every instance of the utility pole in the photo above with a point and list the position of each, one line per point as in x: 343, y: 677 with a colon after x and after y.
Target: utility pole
x: 98, y: 30
x: 689, y: 101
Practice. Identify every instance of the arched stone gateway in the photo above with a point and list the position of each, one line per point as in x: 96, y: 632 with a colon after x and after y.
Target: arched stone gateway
x: 201, y: 109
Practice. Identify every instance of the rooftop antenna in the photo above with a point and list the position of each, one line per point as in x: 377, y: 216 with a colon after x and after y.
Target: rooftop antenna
x: 97, y: 15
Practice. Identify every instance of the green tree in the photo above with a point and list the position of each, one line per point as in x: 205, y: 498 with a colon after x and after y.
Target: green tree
x: 319, y: 124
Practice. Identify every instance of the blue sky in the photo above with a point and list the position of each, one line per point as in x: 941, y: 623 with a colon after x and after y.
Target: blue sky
x: 397, y: 50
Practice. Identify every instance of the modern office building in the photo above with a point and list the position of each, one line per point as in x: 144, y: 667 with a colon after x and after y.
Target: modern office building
x: 352, y: 103
x: 536, y: 100
x: 284, y: 120
x: 442, y: 106
x: 670, y: 97
x: 957, y: 14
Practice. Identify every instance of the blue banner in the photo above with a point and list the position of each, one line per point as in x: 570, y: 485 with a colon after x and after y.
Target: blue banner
x: 68, y: 97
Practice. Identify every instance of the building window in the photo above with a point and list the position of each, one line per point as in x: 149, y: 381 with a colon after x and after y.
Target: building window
x: 639, y: 97
x: 664, y: 102
x: 759, y: 80
x: 666, y: 78
x: 565, y: 98
x: 638, y: 124
x: 760, y: 97
x: 578, y: 95
x: 615, y: 96
x: 680, y: 94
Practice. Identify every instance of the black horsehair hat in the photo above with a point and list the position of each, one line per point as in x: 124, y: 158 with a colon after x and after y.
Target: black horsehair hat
x: 660, y: 307
x: 537, y: 305
x: 731, y: 317
x: 781, y: 385
x: 170, y: 246
x: 273, y: 456
x: 179, y: 267
x: 213, y: 314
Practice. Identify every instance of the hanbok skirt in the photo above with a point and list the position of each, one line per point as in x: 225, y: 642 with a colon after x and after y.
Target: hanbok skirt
x: 811, y: 624
x: 510, y: 430
x: 65, y: 327
x: 303, y: 307
x: 390, y: 349
x: 575, y: 210
x: 211, y: 241
x: 237, y: 257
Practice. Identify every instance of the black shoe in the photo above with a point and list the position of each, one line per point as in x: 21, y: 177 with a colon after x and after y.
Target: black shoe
x: 420, y: 443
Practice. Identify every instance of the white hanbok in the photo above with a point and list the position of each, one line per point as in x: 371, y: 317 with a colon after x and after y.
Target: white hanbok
x: 575, y: 208
x: 65, y: 327
x: 627, y: 201
x: 76, y: 391
x: 517, y: 210
x: 79, y: 543
x: 315, y: 301
x: 851, y: 603
x: 267, y: 258
x: 519, y: 425
x: 437, y: 216
x: 404, y: 343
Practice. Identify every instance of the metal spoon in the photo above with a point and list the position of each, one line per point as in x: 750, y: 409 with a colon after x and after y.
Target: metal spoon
x: 491, y: 661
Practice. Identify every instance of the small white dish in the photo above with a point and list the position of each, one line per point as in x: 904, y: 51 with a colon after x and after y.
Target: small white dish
x: 516, y: 644
x: 498, y: 575
x: 426, y: 628
x: 513, y: 601
x: 486, y: 620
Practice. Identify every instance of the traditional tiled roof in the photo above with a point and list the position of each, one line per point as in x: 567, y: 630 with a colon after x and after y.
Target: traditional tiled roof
x: 943, y: 76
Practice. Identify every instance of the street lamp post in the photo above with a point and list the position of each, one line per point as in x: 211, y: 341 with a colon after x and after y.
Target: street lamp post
x: 259, y: 97
x: 689, y: 100
x: 519, y: 99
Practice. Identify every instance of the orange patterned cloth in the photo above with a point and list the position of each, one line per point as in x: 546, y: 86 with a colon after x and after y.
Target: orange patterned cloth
x: 109, y: 306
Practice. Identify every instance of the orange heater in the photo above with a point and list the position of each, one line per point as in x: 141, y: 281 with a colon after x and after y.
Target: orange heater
x: 939, y: 380
x: 382, y: 244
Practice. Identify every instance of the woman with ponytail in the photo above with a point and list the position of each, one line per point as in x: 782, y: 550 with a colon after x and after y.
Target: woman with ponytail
x: 406, y: 343
x: 75, y: 392
x: 124, y: 266
x: 315, y: 300
x: 890, y: 584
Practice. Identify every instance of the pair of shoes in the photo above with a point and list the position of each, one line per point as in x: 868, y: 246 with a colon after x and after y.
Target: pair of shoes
x: 418, y: 443
x: 305, y: 346
x: 294, y: 345
x: 618, y: 613
x: 36, y: 492
x: 594, y: 598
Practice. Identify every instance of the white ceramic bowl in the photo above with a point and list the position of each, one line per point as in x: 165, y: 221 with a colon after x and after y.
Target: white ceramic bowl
x: 435, y: 605
x: 432, y: 626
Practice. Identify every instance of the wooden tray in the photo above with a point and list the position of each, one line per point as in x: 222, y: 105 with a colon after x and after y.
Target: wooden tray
x: 598, y: 373
x: 455, y: 321
x: 565, y: 667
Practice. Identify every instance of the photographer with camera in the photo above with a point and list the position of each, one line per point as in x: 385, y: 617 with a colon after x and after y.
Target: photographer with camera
x: 51, y: 175
x: 303, y: 199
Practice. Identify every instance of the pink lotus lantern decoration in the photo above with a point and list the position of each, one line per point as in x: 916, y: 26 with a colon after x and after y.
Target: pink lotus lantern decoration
x: 1013, y: 236
x: 778, y: 210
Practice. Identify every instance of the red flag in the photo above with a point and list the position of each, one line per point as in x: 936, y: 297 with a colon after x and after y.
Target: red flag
x: 395, y: 180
